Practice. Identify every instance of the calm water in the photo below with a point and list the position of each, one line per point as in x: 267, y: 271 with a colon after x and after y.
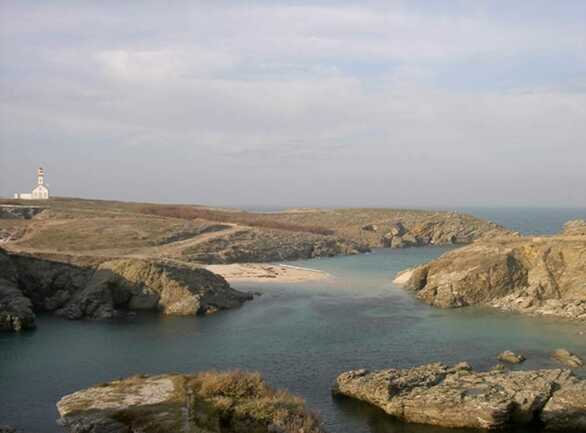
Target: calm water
x: 299, y: 336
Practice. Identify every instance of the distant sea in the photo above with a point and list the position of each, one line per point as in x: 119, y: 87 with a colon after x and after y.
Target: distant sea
x: 537, y: 221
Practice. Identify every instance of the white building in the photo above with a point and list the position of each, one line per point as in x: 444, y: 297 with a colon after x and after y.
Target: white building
x: 40, y: 191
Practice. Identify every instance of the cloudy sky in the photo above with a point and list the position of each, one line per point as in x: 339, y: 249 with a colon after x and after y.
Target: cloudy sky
x: 297, y: 103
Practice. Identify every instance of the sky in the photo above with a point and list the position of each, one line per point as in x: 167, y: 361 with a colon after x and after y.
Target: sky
x: 297, y: 103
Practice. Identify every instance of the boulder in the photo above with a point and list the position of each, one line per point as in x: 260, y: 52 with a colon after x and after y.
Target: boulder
x: 510, y: 357
x: 369, y: 227
x: 457, y: 396
x: 232, y: 402
x: 568, y: 358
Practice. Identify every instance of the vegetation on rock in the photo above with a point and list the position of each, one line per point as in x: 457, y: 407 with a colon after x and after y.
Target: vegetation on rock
x: 223, y: 402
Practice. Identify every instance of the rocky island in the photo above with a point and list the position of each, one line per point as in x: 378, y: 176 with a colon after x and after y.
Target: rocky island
x: 457, y: 396
x: 209, y: 402
x: 543, y: 275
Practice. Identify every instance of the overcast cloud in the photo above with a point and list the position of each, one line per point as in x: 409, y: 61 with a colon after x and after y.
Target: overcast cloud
x: 297, y: 103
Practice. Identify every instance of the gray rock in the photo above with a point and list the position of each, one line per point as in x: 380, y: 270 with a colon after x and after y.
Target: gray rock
x: 459, y: 397
x: 211, y: 402
x: 566, y: 409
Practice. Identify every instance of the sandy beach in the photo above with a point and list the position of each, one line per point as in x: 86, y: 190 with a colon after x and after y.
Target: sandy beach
x: 263, y: 272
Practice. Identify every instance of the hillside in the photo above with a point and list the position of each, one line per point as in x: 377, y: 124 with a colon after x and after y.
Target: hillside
x: 103, y: 230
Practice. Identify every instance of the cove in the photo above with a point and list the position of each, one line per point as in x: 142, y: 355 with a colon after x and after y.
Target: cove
x: 299, y: 336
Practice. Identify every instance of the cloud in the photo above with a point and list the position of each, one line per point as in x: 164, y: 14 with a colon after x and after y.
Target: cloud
x: 372, y: 93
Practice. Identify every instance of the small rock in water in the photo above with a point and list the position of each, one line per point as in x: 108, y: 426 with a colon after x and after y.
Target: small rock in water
x: 511, y: 357
x: 568, y: 358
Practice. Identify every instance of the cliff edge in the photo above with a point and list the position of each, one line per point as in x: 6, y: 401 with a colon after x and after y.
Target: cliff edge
x: 543, y: 275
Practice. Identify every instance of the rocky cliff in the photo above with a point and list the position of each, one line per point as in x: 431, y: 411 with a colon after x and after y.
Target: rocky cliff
x: 230, y: 402
x: 31, y: 284
x: 16, y: 310
x: 537, y: 275
x: 256, y: 245
x: 460, y: 397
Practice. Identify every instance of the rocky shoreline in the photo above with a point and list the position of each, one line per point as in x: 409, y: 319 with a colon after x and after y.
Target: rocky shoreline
x: 212, y: 402
x: 543, y: 276
x: 29, y: 285
x: 459, y: 397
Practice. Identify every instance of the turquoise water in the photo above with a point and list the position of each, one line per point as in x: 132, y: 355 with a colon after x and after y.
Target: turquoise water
x: 300, y: 336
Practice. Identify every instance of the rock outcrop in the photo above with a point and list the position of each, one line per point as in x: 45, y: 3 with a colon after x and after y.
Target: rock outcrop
x: 575, y: 228
x: 536, y: 275
x: 441, y: 229
x: 460, y: 397
x: 29, y: 284
x: 231, y: 402
x: 16, y: 310
x: 248, y: 245
x: 511, y: 357
x: 19, y: 211
x: 568, y: 358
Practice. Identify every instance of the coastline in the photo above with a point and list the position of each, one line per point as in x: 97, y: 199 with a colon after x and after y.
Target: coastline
x: 265, y: 272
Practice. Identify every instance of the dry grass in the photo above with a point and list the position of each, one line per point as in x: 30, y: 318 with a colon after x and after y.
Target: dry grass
x: 236, y: 217
x: 85, y: 234
x: 233, y: 384
x: 247, y: 396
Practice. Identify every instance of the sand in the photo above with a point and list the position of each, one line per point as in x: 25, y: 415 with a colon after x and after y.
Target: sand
x: 267, y: 272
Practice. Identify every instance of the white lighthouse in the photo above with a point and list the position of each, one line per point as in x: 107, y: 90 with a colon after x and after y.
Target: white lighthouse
x: 40, y: 191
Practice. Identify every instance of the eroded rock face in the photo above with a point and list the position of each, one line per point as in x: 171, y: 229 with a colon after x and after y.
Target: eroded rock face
x: 19, y: 211
x: 443, y: 229
x: 30, y: 284
x: 231, y: 402
x: 541, y: 276
x: 16, y: 310
x: 460, y: 397
x: 253, y: 245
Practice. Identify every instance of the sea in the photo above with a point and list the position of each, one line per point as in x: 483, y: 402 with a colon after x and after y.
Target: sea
x: 299, y: 336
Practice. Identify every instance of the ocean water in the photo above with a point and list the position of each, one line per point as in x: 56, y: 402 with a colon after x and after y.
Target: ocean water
x: 299, y: 336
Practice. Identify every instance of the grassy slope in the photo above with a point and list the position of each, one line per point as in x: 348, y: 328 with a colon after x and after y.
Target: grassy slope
x: 113, y: 228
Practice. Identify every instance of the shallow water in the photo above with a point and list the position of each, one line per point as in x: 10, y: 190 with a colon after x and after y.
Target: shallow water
x: 299, y: 336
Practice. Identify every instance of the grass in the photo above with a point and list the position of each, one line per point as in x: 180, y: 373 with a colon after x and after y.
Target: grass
x: 248, y: 399
x: 232, y: 217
